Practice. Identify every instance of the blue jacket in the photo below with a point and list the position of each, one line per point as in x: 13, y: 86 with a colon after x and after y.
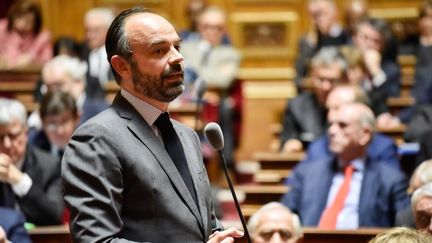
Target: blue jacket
x: 381, y: 148
x: 12, y: 223
x: 382, y: 195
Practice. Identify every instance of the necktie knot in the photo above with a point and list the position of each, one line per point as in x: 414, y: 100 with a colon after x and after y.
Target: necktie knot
x: 163, y: 122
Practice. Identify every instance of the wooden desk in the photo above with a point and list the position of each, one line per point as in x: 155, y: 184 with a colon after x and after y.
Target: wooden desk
x: 395, y: 132
x: 396, y: 104
x: 261, y: 194
x: 50, y: 234
x: 314, y: 235
x: 276, y: 160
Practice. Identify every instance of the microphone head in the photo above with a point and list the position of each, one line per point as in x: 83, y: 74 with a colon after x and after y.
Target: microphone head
x: 214, y: 134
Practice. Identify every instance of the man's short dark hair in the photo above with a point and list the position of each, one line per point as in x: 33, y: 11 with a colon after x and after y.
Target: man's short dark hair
x: 116, y: 42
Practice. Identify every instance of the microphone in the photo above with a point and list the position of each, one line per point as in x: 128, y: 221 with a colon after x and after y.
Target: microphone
x: 214, y: 134
x: 200, y: 88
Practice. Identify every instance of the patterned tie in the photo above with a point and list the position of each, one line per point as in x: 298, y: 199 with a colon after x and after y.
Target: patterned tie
x: 329, y: 217
x: 175, y: 150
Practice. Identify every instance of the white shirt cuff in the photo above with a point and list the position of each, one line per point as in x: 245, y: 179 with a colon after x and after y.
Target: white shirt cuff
x: 379, y: 79
x: 23, y: 186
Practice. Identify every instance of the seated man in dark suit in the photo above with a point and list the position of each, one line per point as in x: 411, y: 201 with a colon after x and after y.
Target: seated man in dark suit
x: 29, y: 177
x: 347, y: 190
x: 60, y: 117
x: 305, y: 116
x: 381, y: 147
x: 12, y: 227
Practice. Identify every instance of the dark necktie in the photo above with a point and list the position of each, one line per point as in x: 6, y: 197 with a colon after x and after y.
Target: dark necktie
x: 175, y: 150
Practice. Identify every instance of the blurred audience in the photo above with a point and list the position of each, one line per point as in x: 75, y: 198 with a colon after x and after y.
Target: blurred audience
x: 347, y: 190
x: 421, y: 202
x: 68, y: 46
x: 27, y: 45
x: 305, y: 116
x: 421, y: 176
x: 381, y: 148
x: 325, y: 31
x: 12, y: 227
x: 68, y: 74
x: 374, y: 38
x: 274, y: 223
x: 211, y: 61
x: 355, y: 12
x: 96, y: 24
x: 29, y: 177
x: 425, y: 152
x: 402, y: 235
x: 60, y: 117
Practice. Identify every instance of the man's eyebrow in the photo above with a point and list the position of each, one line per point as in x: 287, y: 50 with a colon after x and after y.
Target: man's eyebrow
x: 163, y: 41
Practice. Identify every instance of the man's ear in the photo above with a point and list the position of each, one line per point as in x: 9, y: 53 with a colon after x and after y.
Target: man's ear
x: 121, y: 66
x: 366, y: 136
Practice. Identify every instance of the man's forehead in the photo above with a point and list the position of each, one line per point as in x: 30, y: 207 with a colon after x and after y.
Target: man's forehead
x: 425, y: 203
x: 147, y: 26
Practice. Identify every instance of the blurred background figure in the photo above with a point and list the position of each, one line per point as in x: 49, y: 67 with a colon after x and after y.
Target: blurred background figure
x: 355, y: 12
x: 217, y: 64
x: 12, y: 227
x: 305, y: 116
x: 60, y: 117
x: 274, y: 223
x: 66, y: 45
x: 96, y: 24
x: 68, y: 74
x: 325, y: 31
x: 421, y: 202
x: 24, y: 43
x: 331, y: 192
x: 29, y: 177
x: 402, y: 235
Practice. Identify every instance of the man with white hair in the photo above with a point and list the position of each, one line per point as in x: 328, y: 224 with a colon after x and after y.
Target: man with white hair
x: 29, y: 177
x: 349, y: 189
x: 96, y: 24
x: 421, y: 202
x: 274, y: 222
x: 68, y: 74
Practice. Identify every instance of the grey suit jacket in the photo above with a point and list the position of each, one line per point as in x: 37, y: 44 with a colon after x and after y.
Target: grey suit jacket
x: 121, y: 185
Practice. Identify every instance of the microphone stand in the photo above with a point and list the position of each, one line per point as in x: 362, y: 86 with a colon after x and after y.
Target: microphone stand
x: 225, y: 167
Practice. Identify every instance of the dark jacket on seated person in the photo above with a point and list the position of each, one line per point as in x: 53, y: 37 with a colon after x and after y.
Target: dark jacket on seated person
x: 382, y: 193
x: 381, y: 148
x: 12, y: 223
x: 43, y: 204
x: 304, y: 119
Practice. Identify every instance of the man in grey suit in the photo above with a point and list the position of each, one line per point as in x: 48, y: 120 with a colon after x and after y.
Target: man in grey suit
x: 120, y: 183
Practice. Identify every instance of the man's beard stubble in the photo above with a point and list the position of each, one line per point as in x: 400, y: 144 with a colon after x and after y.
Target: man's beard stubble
x: 153, y: 86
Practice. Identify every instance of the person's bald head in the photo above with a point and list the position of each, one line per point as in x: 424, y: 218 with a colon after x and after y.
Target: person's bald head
x: 345, y: 94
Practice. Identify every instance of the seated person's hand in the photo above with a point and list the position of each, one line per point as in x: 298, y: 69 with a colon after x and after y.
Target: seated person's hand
x: 292, y: 145
x: 372, y: 59
x: 9, y: 173
x: 225, y: 236
x: 387, y: 120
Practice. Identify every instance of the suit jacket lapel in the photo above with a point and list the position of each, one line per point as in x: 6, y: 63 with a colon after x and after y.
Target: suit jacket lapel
x: 144, y: 132
x: 195, y: 170
x: 369, y: 189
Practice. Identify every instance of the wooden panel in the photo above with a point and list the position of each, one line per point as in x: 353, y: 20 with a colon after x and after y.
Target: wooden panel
x: 50, y: 234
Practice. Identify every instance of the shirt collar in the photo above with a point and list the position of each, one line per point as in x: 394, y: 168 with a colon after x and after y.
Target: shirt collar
x: 147, y: 111
x: 358, y: 164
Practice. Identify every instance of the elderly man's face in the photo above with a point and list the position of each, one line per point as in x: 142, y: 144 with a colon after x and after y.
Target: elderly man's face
x: 423, y: 214
x: 275, y: 226
x: 95, y: 32
x: 344, y: 131
x: 13, y: 140
x: 157, y: 70
x: 211, y: 26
